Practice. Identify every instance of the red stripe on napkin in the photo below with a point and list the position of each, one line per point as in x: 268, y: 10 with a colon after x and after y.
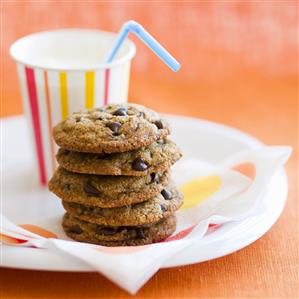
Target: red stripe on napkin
x: 180, y: 235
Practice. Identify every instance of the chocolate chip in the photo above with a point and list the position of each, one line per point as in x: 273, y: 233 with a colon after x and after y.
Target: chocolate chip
x: 140, y: 233
x: 97, y: 211
x: 64, y: 151
x: 66, y: 187
x: 76, y: 229
x: 113, y: 126
x: 126, y: 229
x: 137, y: 127
x: 159, y: 124
x: 120, y: 112
x: 108, y: 231
x: 163, y: 208
x: 102, y: 156
x: 151, y: 154
x: 91, y: 190
x: 154, y: 178
x: 166, y: 194
x: 142, y: 114
x: 139, y: 165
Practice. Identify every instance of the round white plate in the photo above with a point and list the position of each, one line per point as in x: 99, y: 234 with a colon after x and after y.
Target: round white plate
x: 22, y: 200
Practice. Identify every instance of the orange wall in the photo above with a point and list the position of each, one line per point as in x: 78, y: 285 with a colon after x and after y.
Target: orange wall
x: 215, y: 41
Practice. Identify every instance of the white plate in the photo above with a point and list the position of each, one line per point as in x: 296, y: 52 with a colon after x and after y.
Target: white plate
x: 23, y: 202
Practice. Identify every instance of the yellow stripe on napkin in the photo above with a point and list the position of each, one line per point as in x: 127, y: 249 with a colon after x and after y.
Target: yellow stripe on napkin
x: 199, y: 189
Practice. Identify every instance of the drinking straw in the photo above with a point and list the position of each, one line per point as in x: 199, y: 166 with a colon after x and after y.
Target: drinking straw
x: 148, y: 39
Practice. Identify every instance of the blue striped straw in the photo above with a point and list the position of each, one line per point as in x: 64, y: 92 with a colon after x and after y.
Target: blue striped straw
x: 151, y: 42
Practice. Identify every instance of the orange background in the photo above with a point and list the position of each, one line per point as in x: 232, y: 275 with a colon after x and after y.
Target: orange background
x: 239, y: 67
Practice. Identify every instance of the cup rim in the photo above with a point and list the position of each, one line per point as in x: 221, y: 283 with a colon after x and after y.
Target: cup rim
x: 128, y: 56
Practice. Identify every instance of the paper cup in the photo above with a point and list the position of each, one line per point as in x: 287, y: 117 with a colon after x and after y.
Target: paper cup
x: 63, y: 71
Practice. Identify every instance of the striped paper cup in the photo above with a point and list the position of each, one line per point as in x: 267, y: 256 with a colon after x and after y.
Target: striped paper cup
x: 62, y: 71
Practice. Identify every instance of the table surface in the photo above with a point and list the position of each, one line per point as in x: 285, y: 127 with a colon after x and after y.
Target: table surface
x: 264, y: 108
x: 244, y: 75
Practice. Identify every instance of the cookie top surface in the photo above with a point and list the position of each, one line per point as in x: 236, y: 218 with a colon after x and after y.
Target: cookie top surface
x: 162, y: 205
x: 156, y: 157
x: 113, y: 128
x: 106, y: 191
x: 118, y: 236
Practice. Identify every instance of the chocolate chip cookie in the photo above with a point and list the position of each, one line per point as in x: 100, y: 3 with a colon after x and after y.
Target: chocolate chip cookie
x: 120, y: 235
x: 106, y: 191
x: 154, y: 158
x: 111, y: 129
x: 162, y: 205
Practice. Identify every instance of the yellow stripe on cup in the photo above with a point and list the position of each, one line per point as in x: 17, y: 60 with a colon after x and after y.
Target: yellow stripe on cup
x: 63, y: 95
x: 200, y: 189
x: 89, y: 90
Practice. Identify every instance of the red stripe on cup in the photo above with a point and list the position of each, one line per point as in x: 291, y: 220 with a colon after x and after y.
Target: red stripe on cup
x: 106, y: 90
x: 30, y: 78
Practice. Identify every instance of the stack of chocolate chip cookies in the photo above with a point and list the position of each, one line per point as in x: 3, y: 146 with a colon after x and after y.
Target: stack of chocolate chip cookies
x: 114, y: 178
